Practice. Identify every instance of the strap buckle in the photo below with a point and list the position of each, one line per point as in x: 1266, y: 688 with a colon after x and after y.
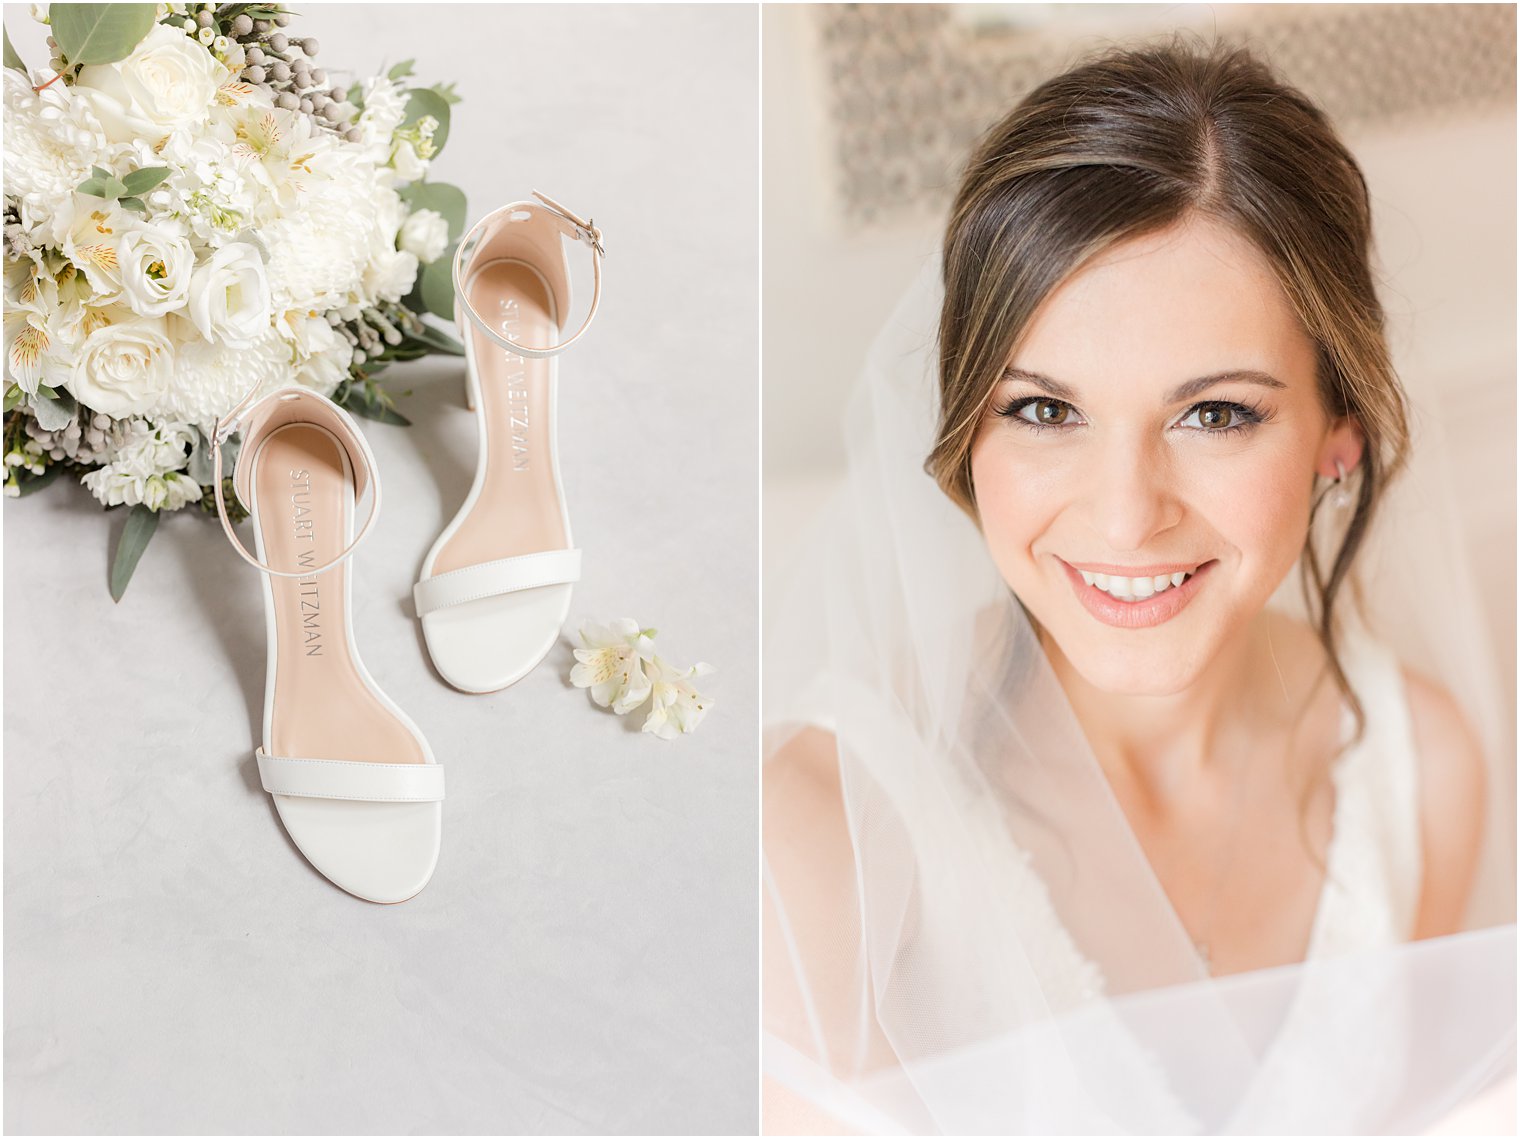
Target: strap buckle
x: 585, y: 230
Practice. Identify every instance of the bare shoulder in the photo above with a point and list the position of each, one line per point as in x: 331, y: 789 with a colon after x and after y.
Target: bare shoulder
x: 1452, y: 802
x: 803, y: 816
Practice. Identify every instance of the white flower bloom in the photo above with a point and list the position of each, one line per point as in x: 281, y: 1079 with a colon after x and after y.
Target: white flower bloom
x: 93, y: 244
x: 209, y: 188
x: 52, y: 139
x: 676, y: 706
x: 612, y: 664
x: 146, y: 467
x: 425, y: 235
x: 390, y: 275
x: 322, y: 356
x: 210, y: 377
x: 384, y: 108
x: 408, y: 165
x: 156, y: 266
x: 124, y: 366
x: 167, y: 81
x: 229, y: 296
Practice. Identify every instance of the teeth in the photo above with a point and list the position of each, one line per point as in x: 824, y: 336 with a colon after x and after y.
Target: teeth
x: 1134, y: 588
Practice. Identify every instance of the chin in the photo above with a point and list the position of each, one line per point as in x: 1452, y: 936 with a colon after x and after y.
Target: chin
x: 1163, y: 667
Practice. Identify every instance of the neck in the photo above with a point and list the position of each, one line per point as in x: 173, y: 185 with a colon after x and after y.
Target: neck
x: 1162, y: 741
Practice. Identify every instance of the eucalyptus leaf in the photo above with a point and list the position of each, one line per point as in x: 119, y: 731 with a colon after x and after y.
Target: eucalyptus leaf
x: 425, y: 102
x: 139, y: 182
x: 136, y: 205
x: 438, y: 285
x: 444, y: 199
x: 33, y: 485
x: 438, y: 341
x: 379, y: 413
x: 13, y: 397
x: 134, y: 540
x: 401, y: 70
x: 11, y: 58
x: 100, y: 33
x: 51, y: 393
x: 55, y: 414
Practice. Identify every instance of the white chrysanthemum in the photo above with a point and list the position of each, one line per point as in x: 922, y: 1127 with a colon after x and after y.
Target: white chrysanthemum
x: 210, y: 378
x: 317, y: 255
x: 51, y: 141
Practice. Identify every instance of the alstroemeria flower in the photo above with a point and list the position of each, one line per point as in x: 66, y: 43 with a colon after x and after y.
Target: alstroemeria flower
x: 676, y: 706
x: 612, y: 663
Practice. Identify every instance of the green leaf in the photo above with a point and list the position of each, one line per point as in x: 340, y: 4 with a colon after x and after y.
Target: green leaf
x: 134, y: 540
x: 439, y: 196
x: 13, y: 397
x: 378, y: 412
x: 401, y: 70
x: 57, y: 413
x: 32, y: 485
x: 11, y: 58
x: 104, y: 184
x: 139, y: 182
x: 424, y: 102
x: 438, y: 341
x: 438, y: 285
x: 100, y: 33
x: 136, y: 205
x: 51, y: 393
x: 446, y: 93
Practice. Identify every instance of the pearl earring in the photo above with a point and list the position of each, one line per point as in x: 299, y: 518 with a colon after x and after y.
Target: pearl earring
x: 1340, y: 494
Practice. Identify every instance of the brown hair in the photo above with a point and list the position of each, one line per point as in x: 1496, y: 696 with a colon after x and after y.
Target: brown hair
x: 1136, y: 141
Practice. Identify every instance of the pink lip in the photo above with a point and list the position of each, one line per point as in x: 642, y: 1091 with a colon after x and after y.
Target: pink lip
x: 1155, y: 610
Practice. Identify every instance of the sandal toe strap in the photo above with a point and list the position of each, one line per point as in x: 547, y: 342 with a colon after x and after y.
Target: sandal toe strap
x: 348, y: 779
x: 488, y: 579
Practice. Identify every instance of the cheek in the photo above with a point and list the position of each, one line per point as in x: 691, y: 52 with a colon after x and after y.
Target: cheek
x: 1020, y: 494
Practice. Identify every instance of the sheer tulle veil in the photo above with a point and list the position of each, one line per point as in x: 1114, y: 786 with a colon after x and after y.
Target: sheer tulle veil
x: 982, y: 946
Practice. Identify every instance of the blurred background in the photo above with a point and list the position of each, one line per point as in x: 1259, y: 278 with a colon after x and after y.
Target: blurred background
x: 870, y: 110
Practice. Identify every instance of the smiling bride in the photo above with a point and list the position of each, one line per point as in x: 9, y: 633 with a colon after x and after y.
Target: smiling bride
x: 1075, y: 820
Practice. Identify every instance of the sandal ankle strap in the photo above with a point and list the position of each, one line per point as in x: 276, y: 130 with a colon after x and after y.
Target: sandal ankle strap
x: 523, y: 227
x: 280, y: 407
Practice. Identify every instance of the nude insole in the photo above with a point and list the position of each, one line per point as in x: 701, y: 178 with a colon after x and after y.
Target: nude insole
x: 322, y: 707
x: 517, y: 510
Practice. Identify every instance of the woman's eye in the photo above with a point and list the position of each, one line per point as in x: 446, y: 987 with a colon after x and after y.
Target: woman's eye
x: 1213, y: 417
x: 1046, y: 412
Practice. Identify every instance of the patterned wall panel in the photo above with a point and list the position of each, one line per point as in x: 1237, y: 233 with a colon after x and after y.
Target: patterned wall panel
x: 911, y: 86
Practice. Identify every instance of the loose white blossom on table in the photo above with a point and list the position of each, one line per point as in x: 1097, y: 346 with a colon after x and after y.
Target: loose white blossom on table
x: 618, y: 663
x: 194, y: 208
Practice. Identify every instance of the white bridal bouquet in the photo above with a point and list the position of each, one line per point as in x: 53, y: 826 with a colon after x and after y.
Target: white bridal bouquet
x: 193, y: 206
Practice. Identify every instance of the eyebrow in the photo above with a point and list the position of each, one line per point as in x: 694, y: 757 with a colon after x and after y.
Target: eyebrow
x: 1183, y: 391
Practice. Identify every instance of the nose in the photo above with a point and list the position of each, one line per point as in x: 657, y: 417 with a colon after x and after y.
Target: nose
x: 1131, y: 493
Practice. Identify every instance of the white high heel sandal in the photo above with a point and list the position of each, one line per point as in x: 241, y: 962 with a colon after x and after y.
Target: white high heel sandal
x: 495, y: 588
x: 353, y: 780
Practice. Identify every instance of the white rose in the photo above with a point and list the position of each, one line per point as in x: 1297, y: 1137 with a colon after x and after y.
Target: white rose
x: 169, y: 80
x: 156, y: 268
x: 123, y: 369
x: 425, y: 235
x: 229, y: 296
x: 390, y: 275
